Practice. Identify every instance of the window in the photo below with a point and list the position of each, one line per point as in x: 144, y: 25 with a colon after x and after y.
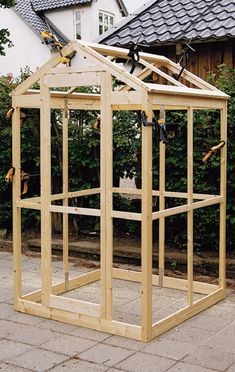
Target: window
x: 106, y: 21
x: 77, y: 25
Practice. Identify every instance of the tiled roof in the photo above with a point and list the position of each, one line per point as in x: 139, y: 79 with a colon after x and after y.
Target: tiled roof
x: 168, y: 21
x: 42, y: 5
x: 24, y: 9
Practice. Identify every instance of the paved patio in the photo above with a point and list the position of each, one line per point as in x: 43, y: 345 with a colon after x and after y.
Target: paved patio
x: 202, y: 344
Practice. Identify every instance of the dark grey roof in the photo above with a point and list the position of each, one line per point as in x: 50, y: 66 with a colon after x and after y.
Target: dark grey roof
x: 37, y: 24
x: 42, y: 5
x: 168, y: 21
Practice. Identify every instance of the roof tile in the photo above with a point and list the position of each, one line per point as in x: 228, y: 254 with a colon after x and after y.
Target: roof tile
x: 164, y: 21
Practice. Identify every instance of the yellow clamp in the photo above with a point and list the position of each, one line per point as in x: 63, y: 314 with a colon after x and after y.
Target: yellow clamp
x: 23, y: 176
x: 97, y: 123
x: 213, y: 150
x: 10, y: 174
x: 9, y: 113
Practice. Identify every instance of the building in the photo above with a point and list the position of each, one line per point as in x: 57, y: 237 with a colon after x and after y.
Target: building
x: 67, y: 19
x: 163, y: 27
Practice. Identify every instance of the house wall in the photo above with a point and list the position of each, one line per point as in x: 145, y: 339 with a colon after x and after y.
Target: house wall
x: 206, y: 58
x: 63, y: 19
x: 27, y: 50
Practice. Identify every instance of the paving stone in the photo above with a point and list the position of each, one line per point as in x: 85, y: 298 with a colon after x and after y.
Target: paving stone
x: 169, y: 348
x: 162, y: 313
x: 76, y: 365
x: 59, y: 327
x: 210, y: 358
x: 231, y: 369
x: 105, y: 354
x: 140, y: 362
x: 224, y: 340
x: 227, y: 313
x: 90, y: 334
x: 6, y: 311
x: 38, y: 360
x: 11, y: 348
x: 68, y: 345
x: 122, y: 316
x: 125, y: 342
x: 188, y: 335
x: 206, y: 322
x: 25, y: 319
x: 24, y: 333
x: 11, y: 368
x: 185, y: 367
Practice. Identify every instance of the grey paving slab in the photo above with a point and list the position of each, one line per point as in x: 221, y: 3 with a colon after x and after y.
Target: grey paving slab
x: 90, y: 334
x: 188, y: 334
x: 11, y: 368
x: 231, y: 369
x: 38, y: 360
x: 224, y: 340
x: 25, y: 334
x: 169, y: 348
x: 210, y: 358
x: 6, y: 311
x: 227, y: 313
x: 68, y: 345
x: 106, y: 354
x: 125, y: 342
x: 140, y: 362
x: 12, y: 348
x: 27, y: 319
x: 76, y: 365
x: 207, y: 322
x: 185, y: 367
x: 58, y: 327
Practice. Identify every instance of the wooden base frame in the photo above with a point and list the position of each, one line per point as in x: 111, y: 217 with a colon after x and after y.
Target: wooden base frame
x: 135, y: 94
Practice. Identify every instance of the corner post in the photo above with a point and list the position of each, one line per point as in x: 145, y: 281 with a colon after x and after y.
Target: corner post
x: 45, y: 176
x: 106, y: 166
x: 16, y: 196
x: 65, y: 192
x: 146, y: 224
x: 223, y: 183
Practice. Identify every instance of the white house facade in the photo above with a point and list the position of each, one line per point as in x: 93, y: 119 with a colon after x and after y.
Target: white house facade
x: 67, y: 19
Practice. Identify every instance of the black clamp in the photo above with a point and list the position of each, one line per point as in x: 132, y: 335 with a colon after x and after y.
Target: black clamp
x: 166, y: 130
x: 134, y: 55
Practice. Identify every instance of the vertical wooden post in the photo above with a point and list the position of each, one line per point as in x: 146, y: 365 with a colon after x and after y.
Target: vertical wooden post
x: 106, y: 145
x: 45, y: 173
x: 162, y: 181
x: 16, y: 195
x: 223, y: 183
x: 65, y: 192
x: 146, y: 224
x: 190, y: 202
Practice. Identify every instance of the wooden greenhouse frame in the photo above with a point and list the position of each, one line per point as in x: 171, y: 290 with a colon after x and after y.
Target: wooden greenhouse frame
x: 98, y: 68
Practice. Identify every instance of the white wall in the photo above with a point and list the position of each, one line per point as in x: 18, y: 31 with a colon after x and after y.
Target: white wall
x: 27, y: 50
x: 63, y: 19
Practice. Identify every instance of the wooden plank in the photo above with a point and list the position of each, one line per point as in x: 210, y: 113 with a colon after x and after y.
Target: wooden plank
x: 146, y: 224
x: 190, y: 202
x: 186, y: 91
x: 74, y: 210
x: 180, y: 316
x: 184, y: 101
x: 45, y: 177
x: 28, y: 205
x: 126, y: 98
x: 54, y: 61
x: 167, y: 194
x: 160, y: 73
x: 77, y: 282
x: 127, y: 215
x: 168, y: 282
x: 16, y: 211
x: 72, y: 80
x: 111, y: 67
x: 223, y: 179
x: 75, y: 306
x: 106, y: 154
x: 162, y: 182
x: 79, y: 193
x: 65, y: 178
x: 187, y: 207
x: 103, y: 325
x: 76, y: 69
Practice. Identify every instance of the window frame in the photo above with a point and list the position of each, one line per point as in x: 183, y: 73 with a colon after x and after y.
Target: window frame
x: 105, y: 26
